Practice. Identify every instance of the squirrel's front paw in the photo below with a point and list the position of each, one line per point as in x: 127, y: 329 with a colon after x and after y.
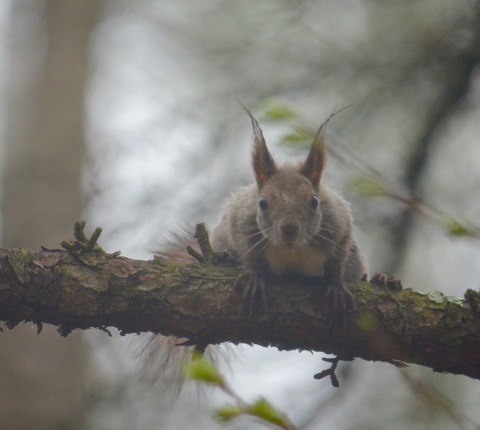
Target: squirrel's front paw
x: 338, y: 302
x: 228, y: 258
x: 253, y: 289
x: 339, y: 299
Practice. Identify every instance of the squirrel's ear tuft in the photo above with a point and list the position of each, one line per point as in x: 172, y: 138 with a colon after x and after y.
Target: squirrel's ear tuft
x: 314, y: 164
x: 263, y: 163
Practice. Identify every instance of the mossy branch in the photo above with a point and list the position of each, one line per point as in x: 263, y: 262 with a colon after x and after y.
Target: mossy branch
x: 85, y: 287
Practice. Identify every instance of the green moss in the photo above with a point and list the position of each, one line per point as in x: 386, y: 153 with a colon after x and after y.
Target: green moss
x: 20, y: 262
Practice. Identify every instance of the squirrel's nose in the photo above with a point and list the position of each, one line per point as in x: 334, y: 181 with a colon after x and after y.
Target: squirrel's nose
x: 289, y: 230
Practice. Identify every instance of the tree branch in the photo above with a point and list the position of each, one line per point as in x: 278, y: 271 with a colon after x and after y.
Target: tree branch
x: 197, y: 301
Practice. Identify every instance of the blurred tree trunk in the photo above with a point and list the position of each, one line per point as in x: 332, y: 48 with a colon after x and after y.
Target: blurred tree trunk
x: 41, y: 378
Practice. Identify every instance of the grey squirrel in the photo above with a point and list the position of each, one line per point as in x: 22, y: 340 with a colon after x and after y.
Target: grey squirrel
x: 290, y: 222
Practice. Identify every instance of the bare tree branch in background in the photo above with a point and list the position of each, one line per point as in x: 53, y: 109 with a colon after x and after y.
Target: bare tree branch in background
x: 454, y: 69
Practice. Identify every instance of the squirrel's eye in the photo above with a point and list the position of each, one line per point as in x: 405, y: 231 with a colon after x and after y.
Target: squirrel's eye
x: 262, y: 202
x: 314, y: 202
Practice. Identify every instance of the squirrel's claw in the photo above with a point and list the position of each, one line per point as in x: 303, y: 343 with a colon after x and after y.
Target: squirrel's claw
x: 228, y: 258
x: 379, y: 279
x: 253, y: 289
x: 339, y: 298
x: 339, y: 301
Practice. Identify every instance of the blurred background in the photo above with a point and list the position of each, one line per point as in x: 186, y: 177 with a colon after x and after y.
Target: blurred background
x: 126, y: 114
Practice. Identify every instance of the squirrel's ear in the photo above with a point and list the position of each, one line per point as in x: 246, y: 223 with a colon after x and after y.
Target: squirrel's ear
x: 314, y: 164
x: 263, y: 164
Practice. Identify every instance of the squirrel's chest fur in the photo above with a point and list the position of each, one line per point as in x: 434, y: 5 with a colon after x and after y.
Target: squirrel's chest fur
x: 305, y: 260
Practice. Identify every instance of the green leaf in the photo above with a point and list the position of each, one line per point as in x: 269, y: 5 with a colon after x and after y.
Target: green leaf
x: 199, y: 369
x: 370, y: 186
x: 227, y: 413
x: 299, y: 135
x: 261, y: 408
x: 276, y: 110
x: 456, y: 228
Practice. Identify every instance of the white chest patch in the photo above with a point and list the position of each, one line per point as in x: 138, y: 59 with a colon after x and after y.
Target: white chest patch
x: 305, y: 260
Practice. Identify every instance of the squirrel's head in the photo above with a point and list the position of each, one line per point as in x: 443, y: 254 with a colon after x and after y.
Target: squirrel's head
x: 289, y: 209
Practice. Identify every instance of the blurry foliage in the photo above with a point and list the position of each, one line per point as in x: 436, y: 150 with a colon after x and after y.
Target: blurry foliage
x: 199, y: 369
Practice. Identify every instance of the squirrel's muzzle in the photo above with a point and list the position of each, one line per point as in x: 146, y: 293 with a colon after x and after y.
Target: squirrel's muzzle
x: 289, y: 231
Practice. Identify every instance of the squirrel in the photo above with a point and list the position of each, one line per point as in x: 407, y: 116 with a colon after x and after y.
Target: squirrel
x: 290, y: 223
x: 287, y: 223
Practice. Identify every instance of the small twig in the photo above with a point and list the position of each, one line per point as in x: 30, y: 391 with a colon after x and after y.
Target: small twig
x: 201, y: 235
x: 195, y: 254
x: 93, y: 239
x: 208, y: 255
x: 331, y: 371
x: 473, y: 299
x: 39, y: 326
x: 78, y: 231
x: 435, y: 398
x: 81, y: 247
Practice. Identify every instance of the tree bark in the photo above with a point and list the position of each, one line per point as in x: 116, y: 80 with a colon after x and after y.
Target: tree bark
x: 90, y: 288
